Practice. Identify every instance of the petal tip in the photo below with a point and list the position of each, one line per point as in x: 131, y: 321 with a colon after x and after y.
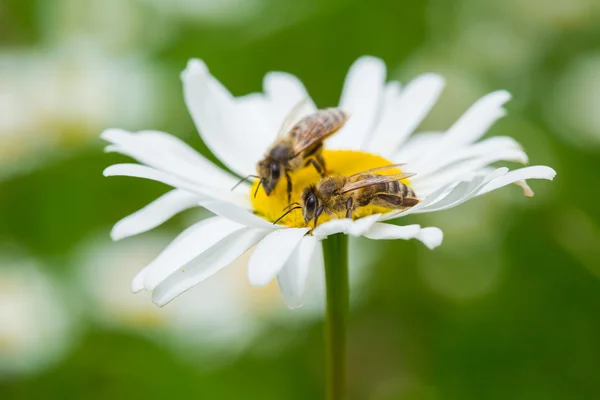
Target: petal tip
x: 255, y: 275
x: 111, y: 148
x: 111, y: 170
x: 116, y: 234
x: 111, y: 133
x: 431, y: 237
x: 160, y: 302
x: 149, y: 283
x: 430, y: 79
x: 368, y: 62
x: 369, y: 59
x: 136, y: 287
x: 501, y: 96
x: 257, y: 280
x: 295, y: 306
x: 137, y: 283
x: 194, y: 66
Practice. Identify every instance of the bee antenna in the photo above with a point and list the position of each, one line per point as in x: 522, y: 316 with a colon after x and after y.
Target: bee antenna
x: 290, y: 205
x: 286, y: 213
x: 243, y: 180
x: 258, y: 187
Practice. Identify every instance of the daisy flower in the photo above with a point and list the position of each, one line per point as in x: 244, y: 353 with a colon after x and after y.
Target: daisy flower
x: 450, y: 168
x: 37, y: 326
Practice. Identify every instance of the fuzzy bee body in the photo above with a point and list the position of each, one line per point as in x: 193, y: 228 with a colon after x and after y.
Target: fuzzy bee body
x: 340, y: 195
x: 301, y: 146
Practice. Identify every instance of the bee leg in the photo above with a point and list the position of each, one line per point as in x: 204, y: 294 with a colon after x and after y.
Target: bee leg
x: 315, y: 164
x: 321, y: 161
x: 289, y: 186
x: 349, y: 208
x: 318, y: 214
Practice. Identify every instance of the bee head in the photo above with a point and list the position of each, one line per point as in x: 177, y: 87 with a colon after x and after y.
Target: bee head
x: 310, y: 203
x: 269, y: 172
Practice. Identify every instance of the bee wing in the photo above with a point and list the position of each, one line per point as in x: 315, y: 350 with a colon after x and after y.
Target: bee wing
x: 299, y: 111
x: 371, y: 180
x: 384, y: 168
x: 317, y: 127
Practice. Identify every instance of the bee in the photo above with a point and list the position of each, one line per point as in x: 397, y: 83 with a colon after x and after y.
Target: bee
x: 338, y: 194
x: 298, y: 146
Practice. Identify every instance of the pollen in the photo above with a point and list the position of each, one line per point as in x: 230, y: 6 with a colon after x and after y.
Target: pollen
x: 343, y: 162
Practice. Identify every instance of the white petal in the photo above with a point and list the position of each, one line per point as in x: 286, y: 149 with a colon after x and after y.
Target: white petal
x: 403, y: 113
x: 188, y: 245
x: 284, y: 92
x: 143, y: 171
x: 450, y: 195
x: 332, y: 227
x: 258, y: 104
x: 431, y: 237
x: 416, y: 146
x: 271, y: 254
x: 471, y: 125
x: 433, y: 197
x: 534, y: 172
x: 464, y: 191
x: 425, y: 182
x: 346, y: 225
x: 387, y: 121
x: 154, y: 214
x: 293, y: 277
x: 239, y: 215
x: 212, y: 261
x: 497, y: 148
x: 234, y: 136
x: 362, y: 97
x: 137, y: 284
x: 166, y: 152
x: 478, y: 118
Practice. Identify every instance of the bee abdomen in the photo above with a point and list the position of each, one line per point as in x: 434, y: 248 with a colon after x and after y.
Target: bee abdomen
x: 397, y: 187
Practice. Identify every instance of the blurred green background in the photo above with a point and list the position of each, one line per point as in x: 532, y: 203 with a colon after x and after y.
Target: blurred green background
x: 507, y: 308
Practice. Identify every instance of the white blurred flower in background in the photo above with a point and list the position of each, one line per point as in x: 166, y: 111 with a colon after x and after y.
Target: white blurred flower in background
x: 210, y: 11
x: 222, y: 317
x: 55, y: 99
x: 116, y: 26
x: 473, y: 247
x: 215, y: 315
x: 36, y: 327
x: 541, y: 14
x: 573, y: 107
x: 89, y: 71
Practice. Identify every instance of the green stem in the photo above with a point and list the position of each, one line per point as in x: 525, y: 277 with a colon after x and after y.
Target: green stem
x: 335, y: 253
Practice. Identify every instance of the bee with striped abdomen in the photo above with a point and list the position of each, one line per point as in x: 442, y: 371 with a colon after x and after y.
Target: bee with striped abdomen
x: 298, y: 146
x: 339, y: 194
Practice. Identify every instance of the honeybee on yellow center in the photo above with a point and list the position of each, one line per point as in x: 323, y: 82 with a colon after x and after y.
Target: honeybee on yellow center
x: 341, y: 195
x: 299, y: 146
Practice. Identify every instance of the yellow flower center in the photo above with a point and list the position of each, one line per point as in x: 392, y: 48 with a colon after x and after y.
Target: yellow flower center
x: 342, y: 162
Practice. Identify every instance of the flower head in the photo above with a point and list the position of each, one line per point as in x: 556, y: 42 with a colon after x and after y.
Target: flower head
x: 37, y: 328
x: 450, y: 168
